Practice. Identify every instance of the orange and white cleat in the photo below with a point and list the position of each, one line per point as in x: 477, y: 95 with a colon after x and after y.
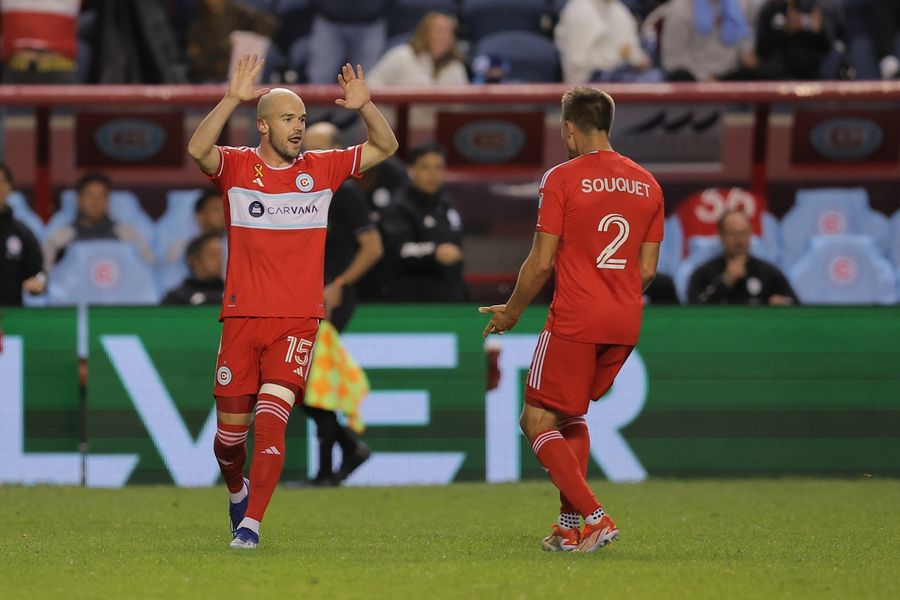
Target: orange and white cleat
x: 594, y: 537
x: 560, y: 540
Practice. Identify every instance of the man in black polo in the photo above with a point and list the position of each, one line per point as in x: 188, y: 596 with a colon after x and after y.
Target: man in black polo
x: 20, y: 252
x: 736, y: 277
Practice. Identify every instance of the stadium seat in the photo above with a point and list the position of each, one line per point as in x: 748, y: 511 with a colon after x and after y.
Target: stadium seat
x: 101, y: 272
x: 701, y: 249
x: 531, y: 56
x: 22, y: 212
x: 404, y: 15
x: 827, y: 211
x: 174, y: 229
x: 484, y: 17
x: 124, y: 207
x: 843, y: 269
x: 895, y: 239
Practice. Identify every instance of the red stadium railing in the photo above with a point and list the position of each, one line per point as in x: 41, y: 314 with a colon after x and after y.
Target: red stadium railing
x: 43, y: 99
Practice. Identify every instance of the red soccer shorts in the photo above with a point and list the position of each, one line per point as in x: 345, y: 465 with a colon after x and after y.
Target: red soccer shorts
x: 254, y: 351
x: 565, y: 376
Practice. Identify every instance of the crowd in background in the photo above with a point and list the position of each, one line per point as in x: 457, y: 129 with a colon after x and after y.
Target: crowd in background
x: 420, y: 42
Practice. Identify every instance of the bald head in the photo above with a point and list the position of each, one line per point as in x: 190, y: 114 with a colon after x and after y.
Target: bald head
x: 320, y: 136
x: 278, y: 101
x: 281, y: 121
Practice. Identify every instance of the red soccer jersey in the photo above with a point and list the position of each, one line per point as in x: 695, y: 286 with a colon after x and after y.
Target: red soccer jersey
x: 603, y: 206
x: 277, y: 220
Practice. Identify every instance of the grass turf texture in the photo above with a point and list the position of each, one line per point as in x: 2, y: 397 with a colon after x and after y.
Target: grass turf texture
x: 695, y: 539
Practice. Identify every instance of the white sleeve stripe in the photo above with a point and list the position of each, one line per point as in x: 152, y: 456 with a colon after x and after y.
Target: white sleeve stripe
x: 221, y: 162
x: 356, y: 152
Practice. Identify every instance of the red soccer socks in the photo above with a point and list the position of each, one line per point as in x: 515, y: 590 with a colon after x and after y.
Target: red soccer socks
x: 561, y: 463
x: 269, y: 426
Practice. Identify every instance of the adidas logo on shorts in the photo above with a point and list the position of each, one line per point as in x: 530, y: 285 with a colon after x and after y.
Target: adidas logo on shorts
x: 271, y: 450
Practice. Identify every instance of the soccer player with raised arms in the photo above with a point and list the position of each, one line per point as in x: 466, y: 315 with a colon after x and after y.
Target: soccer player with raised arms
x: 276, y: 205
x: 600, y: 223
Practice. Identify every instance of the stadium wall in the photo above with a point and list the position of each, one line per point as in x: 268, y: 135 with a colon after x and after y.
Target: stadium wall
x: 709, y: 392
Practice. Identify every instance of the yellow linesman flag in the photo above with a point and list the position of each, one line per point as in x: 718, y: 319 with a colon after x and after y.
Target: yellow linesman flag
x: 336, y: 382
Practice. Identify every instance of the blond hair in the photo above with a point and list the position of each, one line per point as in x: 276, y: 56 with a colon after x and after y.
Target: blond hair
x: 419, y: 41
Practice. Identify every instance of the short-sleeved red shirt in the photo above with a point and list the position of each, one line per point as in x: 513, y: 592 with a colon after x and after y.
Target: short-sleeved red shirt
x: 603, y: 206
x: 276, y: 220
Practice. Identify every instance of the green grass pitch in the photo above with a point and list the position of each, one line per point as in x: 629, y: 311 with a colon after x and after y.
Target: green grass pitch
x: 790, y: 538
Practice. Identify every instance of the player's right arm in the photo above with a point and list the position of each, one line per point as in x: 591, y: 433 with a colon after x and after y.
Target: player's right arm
x: 202, y: 146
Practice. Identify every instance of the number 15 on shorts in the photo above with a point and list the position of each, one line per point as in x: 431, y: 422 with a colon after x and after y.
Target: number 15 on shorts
x: 300, y: 352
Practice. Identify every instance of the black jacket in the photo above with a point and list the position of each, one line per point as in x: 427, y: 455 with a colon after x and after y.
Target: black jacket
x: 196, y: 292
x: 413, y: 227
x: 763, y: 281
x: 20, y: 258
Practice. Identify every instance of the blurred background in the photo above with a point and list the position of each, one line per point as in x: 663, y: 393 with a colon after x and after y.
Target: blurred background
x: 781, y: 114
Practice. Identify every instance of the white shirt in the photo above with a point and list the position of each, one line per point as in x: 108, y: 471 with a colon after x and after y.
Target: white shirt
x: 590, y: 35
x: 401, y: 66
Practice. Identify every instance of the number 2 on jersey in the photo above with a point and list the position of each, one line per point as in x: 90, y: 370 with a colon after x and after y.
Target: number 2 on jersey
x: 606, y: 260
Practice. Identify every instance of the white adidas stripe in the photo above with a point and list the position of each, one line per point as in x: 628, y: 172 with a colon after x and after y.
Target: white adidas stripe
x: 265, y: 411
x: 273, y: 406
x: 541, y: 354
x: 545, y: 437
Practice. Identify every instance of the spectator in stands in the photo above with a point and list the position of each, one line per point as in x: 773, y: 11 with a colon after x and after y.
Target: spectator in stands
x: 210, y: 218
x: 345, y: 31
x: 885, y: 26
x: 598, y: 41
x: 205, y: 284
x: 431, y: 57
x: 209, y: 36
x: 792, y: 39
x: 40, y: 42
x: 736, y: 277
x: 707, y: 40
x: 20, y: 253
x: 92, y: 222
x: 423, y: 234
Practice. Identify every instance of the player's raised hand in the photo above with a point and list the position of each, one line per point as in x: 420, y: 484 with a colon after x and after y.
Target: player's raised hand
x: 501, y: 319
x: 356, y: 92
x: 240, y: 84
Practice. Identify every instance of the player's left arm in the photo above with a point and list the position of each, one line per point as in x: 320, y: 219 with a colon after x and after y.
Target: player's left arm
x: 533, y: 275
x: 381, y: 142
x: 648, y: 261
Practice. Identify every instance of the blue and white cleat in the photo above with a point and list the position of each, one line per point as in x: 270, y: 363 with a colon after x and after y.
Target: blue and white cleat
x: 236, y: 510
x: 245, y: 538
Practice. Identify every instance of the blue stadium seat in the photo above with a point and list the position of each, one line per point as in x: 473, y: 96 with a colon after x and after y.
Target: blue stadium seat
x: 895, y: 239
x: 174, y: 229
x: 124, y: 207
x: 828, y: 211
x: 701, y: 249
x: 298, y: 56
x: 22, y: 212
x: 531, y: 56
x: 404, y: 15
x: 843, y: 269
x: 484, y: 17
x: 672, y: 244
x: 101, y: 272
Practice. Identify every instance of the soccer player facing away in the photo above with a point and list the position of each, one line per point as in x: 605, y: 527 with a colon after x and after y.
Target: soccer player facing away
x: 600, y: 223
x: 276, y: 205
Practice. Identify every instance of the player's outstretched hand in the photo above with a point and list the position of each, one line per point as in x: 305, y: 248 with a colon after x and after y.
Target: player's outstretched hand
x: 501, y: 319
x: 356, y: 92
x: 240, y: 84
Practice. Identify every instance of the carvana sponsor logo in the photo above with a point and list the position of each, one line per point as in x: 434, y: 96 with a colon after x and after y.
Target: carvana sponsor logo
x: 257, y: 209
